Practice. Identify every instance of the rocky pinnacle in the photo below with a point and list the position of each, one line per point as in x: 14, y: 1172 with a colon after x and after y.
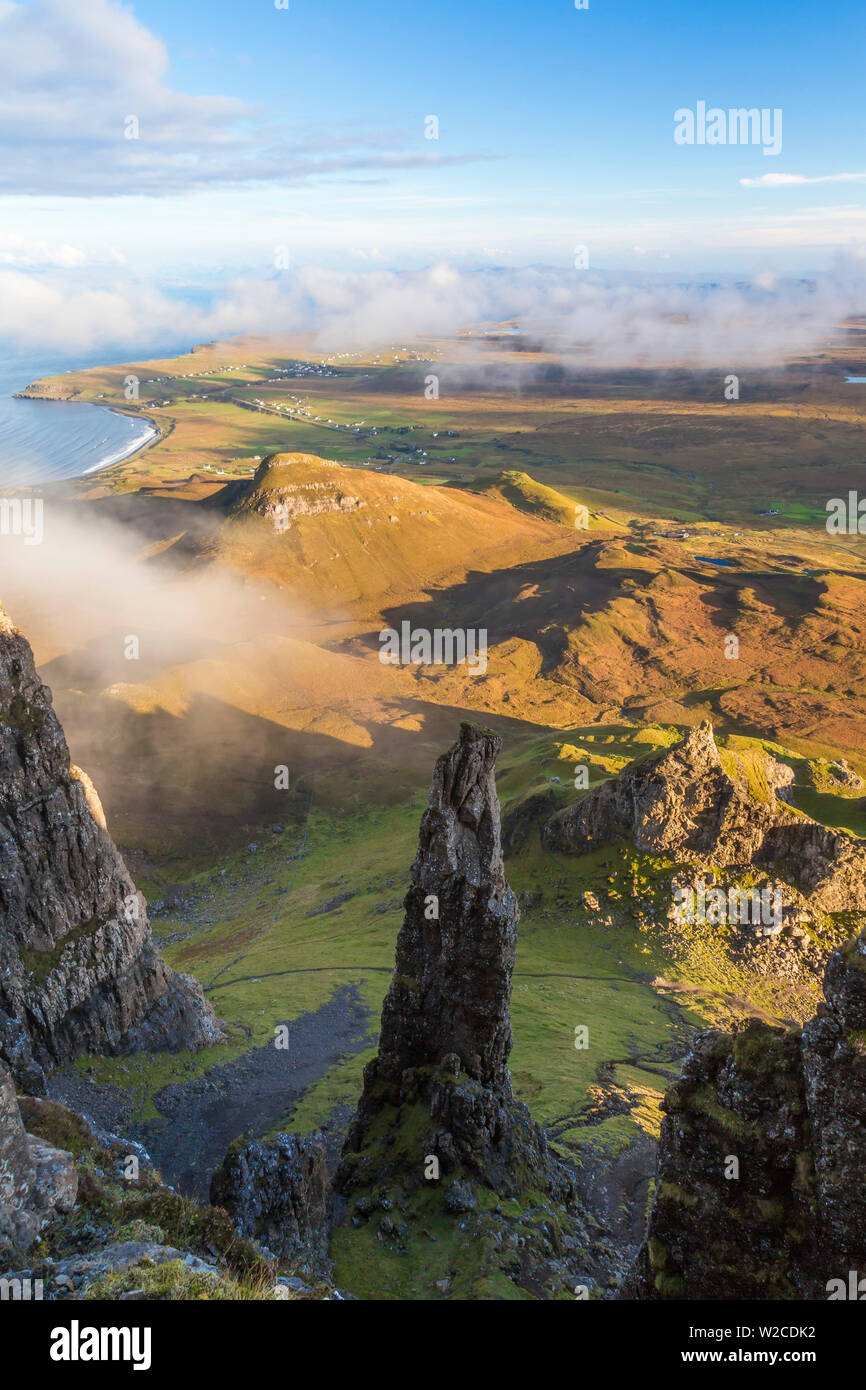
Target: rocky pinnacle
x: 451, y: 989
x: 446, y: 1029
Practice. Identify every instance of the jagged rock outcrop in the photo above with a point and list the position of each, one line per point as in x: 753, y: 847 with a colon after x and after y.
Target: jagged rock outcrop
x: 38, y: 1182
x: 759, y: 1190
x: 79, y: 970
x: 277, y: 1194
x: 440, y: 1086
x: 684, y: 804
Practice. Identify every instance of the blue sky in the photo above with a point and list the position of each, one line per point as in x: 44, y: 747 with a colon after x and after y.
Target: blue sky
x: 302, y: 130
x: 573, y: 108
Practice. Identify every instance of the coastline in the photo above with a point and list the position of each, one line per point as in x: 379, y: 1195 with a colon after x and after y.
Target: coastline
x: 153, y: 434
x: 151, y: 431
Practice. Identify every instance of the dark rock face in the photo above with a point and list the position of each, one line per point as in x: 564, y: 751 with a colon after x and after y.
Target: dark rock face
x: 682, y: 802
x: 277, y: 1195
x: 446, y: 1029
x: 38, y: 1182
x: 78, y: 967
x: 16, y: 1168
x: 521, y: 818
x: 790, y: 1109
x: 834, y: 1072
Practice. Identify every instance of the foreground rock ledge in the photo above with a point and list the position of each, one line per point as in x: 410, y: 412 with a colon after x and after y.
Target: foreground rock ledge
x: 759, y: 1191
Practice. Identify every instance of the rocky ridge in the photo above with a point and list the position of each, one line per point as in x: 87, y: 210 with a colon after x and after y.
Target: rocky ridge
x: 79, y: 970
x: 683, y: 803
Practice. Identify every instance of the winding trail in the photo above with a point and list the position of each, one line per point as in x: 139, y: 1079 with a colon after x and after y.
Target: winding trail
x: 389, y: 970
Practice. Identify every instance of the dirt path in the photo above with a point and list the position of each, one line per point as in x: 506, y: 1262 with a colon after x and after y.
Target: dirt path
x: 737, y: 1001
x: 201, y: 1117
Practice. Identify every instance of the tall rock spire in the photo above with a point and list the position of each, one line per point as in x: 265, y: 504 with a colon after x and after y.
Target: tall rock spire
x: 451, y: 990
x: 446, y: 1029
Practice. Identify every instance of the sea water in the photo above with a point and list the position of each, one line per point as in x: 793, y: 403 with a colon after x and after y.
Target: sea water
x: 42, y: 441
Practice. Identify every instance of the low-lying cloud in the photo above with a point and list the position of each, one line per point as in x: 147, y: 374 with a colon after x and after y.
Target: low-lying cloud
x: 602, y: 321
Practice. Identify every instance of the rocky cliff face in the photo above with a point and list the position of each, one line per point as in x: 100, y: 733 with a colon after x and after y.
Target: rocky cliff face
x: 446, y: 1029
x: 288, y: 486
x: 759, y: 1191
x: 683, y: 803
x: 79, y: 970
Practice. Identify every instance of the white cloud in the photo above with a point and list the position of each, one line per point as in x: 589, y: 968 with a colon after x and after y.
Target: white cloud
x: 639, y: 321
x: 24, y: 251
x: 788, y: 180
x: 73, y: 73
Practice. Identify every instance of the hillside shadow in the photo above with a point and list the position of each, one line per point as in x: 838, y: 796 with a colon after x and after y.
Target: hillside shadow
x: 539, y: 601
x: 790, y: 597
